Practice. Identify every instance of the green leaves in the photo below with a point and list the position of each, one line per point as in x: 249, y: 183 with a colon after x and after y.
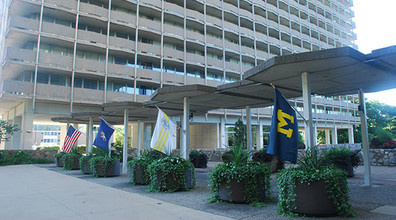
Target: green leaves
x: 6, y: 130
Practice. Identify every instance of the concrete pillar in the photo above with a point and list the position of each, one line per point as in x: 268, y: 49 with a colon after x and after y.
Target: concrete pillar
x: 259, y: 136
x: 327, y: 134
x: 139, y: 143
x: 185, y: 145
x: 147, y: 134
x: 249, y: 128
x: 27, y: 127
x: 315, y: 135
x: 63, y: 133
x: 365, y: 144
x: 307, y: 105
x: 334, y: 135
x: 218, y: 135
x: 350, y: 135
x: 90, y: 135
x: 222, y: 133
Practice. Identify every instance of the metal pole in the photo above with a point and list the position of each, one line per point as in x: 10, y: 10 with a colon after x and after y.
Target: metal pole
x: 307, y: 104
x: 125, y: 147
x: 366, y: 156
x: 248, y: 128
x: 90, y: 134
x: 185, y: 129
x: 139, y: 137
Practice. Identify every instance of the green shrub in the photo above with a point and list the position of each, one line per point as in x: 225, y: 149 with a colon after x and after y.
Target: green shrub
x: 68, y: 159
x: 340, y: 157
x: 83, y: 160
x: 58, y: 157
x: 18, y: 157
x: 48, y: 148
x: 97, y: 161
x: 169, y: 174
x: 198, y: 159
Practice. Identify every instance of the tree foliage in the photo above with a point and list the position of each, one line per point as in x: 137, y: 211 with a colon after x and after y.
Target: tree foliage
x: 6, y: 130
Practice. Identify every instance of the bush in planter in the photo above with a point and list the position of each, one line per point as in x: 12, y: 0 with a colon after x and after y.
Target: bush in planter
x: 240, y: 180
x: 58, y: 158
x: 198, y: 159
x: 137, y: 167
x: 71, y: 161
x: 171, y: 174
x: 342, y: 158
x: 102, y: 166
x: 326, y: 188
x: 85, y: 164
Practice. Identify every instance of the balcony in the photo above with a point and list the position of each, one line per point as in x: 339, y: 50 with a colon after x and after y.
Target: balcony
x: 214, y: 40
x: 91, y: 96
x: 154, y: 3
x: 58, y: 30
x: 215, y: 21
x: 20, y: 55
x: 121, y: 71
x: 174, y: 9
x: 55, y: 61
x: 91, y: 66
x: 118, y: 96
x: 54, y: 93
x: 149, y: 49
x: 148, y: 75
x: 192, y: 14
x: 195, y: 80
x: 123, y: 17
x: 23, y: 23
x: 232, y: 46
x: 91, y: 37
x: 247, y: 50
x: 195, y: 36
x: 232, y: 66
x: 174, y: 30
x: 215, y: 62
x: 150, y: 24
x: 174, y: 54
x: 13, y: 87
x: 121, y: 43
x: 93, y: 10
x: 173, y: 79
x: 195, y: 58
x: 70, y: 5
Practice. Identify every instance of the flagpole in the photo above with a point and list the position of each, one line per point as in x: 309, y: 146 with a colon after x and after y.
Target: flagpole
x: 273, y: 86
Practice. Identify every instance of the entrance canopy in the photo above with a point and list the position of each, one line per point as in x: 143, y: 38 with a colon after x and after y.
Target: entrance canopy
x: 338, y: 71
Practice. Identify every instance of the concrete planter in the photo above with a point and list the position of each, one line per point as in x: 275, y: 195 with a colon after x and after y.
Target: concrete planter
x: 170, y: 182
x: 113, y: 169
x: 85, y: 167
x: 313, y: 200
x: 235, y: 192
x: 139, y: 175
x: 59, y: 162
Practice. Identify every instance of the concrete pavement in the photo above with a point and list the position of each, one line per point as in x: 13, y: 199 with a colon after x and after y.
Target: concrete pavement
x: 30, y: 192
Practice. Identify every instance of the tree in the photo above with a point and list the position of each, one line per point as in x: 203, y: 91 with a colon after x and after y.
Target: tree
x: 238, y: 138
x: 6, y: 130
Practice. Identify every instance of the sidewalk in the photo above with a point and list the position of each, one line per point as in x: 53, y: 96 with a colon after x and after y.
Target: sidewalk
x: 48, y: 192
x: 30, y: 192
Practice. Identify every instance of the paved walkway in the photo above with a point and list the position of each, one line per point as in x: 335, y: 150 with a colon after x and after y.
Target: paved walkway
x: 37, y: 192
x: 30, y: 192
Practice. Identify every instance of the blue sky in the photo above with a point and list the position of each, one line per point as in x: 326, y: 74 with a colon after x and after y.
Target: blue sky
x: 375, y: 29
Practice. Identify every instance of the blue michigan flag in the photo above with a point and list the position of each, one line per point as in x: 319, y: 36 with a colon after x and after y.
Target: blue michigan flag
x: 283, y: 140
x: 104, y: 135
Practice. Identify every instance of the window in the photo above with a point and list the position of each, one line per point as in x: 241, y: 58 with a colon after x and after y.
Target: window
x: 77, y: 82
x: 42, y: 78
x: 90, y: 84
x: 58, y: 80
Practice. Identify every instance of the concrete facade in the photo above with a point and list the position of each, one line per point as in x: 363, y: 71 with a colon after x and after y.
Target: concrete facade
x: 60, y: 57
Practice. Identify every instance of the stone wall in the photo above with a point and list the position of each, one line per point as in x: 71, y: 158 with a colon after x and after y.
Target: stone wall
x: 383, y: 157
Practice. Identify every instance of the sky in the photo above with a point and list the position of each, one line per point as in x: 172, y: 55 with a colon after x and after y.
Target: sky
x: 375, y: 29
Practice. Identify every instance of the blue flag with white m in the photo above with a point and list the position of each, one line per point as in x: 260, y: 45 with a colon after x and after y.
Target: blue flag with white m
x: 283, y: 140
x: 104, y: 134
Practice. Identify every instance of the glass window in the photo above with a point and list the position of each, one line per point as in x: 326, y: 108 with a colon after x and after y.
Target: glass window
x: 120, y: 60
x: 101, y: 85
x: 77, y: 82
x: 42, y: 78
x: 58, y: 80
x: 90, y: 84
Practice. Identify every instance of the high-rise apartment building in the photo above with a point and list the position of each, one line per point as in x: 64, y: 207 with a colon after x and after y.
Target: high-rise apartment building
x: 69, y: 56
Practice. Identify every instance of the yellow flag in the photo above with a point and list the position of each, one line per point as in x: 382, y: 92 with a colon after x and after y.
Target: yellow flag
x: 164, y: 136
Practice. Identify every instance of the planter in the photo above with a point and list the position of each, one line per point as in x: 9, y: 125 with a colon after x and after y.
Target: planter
x: 313, y: 200
x: 113, y: 169
x: 139, y: 175
x: 348, y: 168
x: 85, y: 166
x: 235, y: 192
x: 76, y: 164
x: 170, y: 182
x: 59, y: 162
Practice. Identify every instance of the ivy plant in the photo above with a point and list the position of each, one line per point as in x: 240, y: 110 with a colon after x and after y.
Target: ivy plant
x: 83, y: 160
x: 169, y: 174
x: 58, y: 157
x: 311, y: 169
x: 101, y: 162
x: 69, y: 158
x: 139, y: 165
x: 341, y: 157
x: 198, y: 159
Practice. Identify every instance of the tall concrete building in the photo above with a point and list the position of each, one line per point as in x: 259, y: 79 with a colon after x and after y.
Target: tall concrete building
x: 60, y: 57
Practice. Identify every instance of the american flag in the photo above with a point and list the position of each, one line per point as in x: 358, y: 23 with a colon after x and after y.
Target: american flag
x: 71, y: 138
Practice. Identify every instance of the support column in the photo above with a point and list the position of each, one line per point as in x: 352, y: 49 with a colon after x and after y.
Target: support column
x: 27, y: 128
x: 350, y: 135
x: 307, y: 105
x: 223, y: 133
x: 63, y: 133
x: 125, y: 147
x: 334, y: 135
x: 139, y: 147
x: 90, y: 134
x: 260, y: 136
x: 249, y: 128
x: 184, y: 150
x: 315, y: 135
x: 218, y: 135
x: 327, y: 134
x: 366, y: 155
